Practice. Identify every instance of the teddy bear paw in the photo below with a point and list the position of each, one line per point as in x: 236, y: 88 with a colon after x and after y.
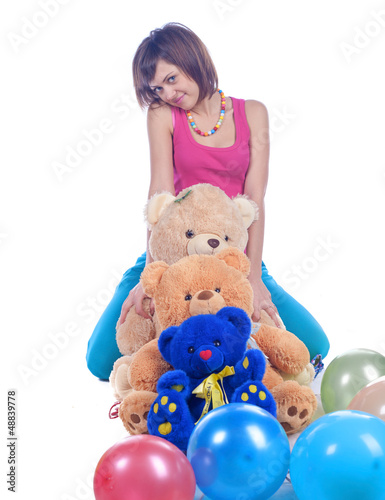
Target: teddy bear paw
x: 119, y: 378
x: 134, y: 411
x: 306, y: 377
x: 170, y: 418
x: 255, y: 393
x: 296, y: 406
x: 165, y: 414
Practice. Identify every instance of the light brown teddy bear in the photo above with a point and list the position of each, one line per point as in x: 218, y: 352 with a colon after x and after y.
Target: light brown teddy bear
x: 203, y: 284
x: 202, y: 219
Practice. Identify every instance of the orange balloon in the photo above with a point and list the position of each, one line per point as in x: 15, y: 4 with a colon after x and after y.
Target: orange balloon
x: 371, y: 399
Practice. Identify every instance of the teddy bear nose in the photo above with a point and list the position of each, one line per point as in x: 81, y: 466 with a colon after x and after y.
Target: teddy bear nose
x: 213, y: 242
x: 205, y: 355
x: 205, y: 295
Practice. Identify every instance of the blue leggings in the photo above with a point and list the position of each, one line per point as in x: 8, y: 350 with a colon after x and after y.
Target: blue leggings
x: 103, y: 351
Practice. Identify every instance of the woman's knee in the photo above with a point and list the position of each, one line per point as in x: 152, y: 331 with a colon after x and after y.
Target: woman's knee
x: 298, y: 319
x: 102, y: 352
x: 98, y: 367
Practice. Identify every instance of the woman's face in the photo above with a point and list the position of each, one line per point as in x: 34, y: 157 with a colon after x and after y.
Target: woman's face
x: 173, y: 87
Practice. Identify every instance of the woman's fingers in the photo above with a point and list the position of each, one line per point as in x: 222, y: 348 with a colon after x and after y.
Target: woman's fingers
x: 135, y: 298
x: 139, y: 305
x: 273, y: 313
x: 256, y: 317
x: 127, y: 304
x: 152, y: 307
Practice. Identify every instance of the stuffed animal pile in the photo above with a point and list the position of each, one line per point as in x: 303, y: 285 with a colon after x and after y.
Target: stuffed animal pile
x: 201, y: 220
x: 193, y: 278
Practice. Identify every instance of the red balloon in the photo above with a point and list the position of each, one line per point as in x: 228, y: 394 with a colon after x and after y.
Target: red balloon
x: 144, y: 468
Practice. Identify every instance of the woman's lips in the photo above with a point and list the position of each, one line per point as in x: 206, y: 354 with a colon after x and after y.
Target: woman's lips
x: 179, y: 99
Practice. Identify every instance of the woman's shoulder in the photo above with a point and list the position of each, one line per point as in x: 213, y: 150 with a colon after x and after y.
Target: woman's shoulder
x: 254, y: 106
x: 160, y: 116
x: 256, y: 114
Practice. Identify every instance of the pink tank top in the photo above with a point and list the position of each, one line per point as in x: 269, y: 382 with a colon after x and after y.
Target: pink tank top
x: 223, y: 167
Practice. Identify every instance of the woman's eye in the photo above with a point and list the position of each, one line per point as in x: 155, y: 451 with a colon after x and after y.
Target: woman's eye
x: 217, y: 343
x: 188, y: 297
x: 157, y: 89
x: 226, y: 238
x: 190, y: 233
x: 171, y: 79
x: 190, y: 350
x: 218, y: 290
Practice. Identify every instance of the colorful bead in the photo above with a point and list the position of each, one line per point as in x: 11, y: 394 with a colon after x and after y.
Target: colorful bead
x: 219, y: 122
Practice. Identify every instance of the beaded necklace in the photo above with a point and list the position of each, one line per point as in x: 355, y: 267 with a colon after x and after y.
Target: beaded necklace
x: 219, y: 122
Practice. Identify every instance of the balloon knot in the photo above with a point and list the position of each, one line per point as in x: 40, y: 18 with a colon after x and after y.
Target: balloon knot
x: 318, y: 365
x: 114, y: 413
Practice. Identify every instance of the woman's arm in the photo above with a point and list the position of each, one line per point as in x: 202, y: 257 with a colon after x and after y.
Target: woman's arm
x: 255, y: 188
x: 160, y: 130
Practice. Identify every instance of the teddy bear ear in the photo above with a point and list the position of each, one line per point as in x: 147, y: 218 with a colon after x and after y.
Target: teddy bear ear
x: 156, y: 206
x: 151, y: 276
x: 165, y: 342
x: 248, y: 209
x: 238, y: 317
x: 235, y: 258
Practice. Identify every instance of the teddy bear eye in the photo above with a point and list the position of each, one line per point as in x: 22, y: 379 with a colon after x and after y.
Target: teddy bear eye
x: 190, y: 233
x: 226, y: 238
x: 217, y: 343
x: 190, y: 350
x: 188, y: 297
x: 218, y: 290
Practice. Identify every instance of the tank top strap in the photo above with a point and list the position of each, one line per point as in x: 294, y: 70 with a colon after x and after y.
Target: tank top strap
x: 242, y: 126
x: 173, y: 117
x: 178, y: 116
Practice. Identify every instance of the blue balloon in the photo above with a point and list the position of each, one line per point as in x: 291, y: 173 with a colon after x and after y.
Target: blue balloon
x: 340, y: 455
x: 285, y: 492
x: 239, y: 451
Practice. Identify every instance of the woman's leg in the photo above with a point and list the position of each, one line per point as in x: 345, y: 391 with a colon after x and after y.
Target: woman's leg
x: 102, y: 349
x: 296, y: 318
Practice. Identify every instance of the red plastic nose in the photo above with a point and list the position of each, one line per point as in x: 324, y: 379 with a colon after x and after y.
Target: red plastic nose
x: 205, y: 354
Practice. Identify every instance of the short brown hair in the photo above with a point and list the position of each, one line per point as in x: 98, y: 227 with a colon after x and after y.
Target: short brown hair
x: 178, y: 45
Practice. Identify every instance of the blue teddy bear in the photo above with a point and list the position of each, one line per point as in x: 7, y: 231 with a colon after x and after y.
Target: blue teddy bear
x: 212, y: 367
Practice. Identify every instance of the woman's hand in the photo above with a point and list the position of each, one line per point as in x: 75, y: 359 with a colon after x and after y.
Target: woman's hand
x: 135, y: 298
x: 262, y: 300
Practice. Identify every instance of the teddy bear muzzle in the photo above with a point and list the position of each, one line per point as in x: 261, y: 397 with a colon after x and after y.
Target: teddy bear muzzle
x: 206, y: 244
x: 207, y: 359
x: 206, y: 302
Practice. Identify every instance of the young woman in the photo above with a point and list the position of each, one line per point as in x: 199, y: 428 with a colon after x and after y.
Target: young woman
x: 196, y: 134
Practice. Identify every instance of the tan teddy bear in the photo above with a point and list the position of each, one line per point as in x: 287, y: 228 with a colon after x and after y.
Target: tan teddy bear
x: 202, y: 219
x: 203, y: 284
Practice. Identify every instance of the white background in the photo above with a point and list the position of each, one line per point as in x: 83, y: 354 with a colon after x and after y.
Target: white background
x: 65, y: 240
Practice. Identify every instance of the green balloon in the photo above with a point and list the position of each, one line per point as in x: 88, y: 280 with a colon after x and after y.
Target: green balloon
x: 347, y: 374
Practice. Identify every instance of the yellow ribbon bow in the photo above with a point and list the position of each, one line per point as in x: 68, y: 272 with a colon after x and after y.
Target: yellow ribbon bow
x: 211, y: 390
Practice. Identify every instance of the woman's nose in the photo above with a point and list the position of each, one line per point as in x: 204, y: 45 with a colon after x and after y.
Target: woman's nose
x: 170, y: 94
